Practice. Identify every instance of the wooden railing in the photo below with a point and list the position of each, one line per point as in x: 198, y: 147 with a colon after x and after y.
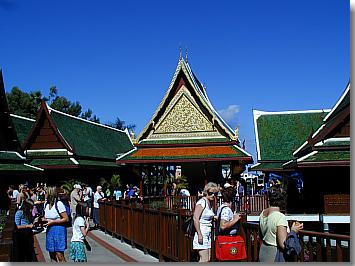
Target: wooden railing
x: 250, y: 205
x: 6, y: 236
x: 156, y: 231
x: 159, y: 231
x: 316, y: 246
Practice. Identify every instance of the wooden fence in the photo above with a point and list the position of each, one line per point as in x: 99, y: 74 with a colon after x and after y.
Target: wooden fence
x: 316, y: 246
x: 158, y: 231
x: 6, y: 236
x: 250, y: 205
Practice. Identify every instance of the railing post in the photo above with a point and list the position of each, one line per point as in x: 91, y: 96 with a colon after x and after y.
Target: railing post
x: 132, y: 227
x: 160, y: 249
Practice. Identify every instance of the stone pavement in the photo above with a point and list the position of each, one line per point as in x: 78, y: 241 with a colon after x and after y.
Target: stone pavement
x: 104, y: 249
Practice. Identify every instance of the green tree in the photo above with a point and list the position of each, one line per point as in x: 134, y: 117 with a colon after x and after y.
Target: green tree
x: 112, y: 183
x: 121, y: 124
x: 22, y: 103
x: 27, y: 104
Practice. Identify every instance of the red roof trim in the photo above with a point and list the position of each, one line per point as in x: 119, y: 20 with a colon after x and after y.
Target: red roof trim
x: 243, y: 159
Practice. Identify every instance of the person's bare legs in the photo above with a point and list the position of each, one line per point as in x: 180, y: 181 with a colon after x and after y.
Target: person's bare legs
x: 53, y: 256
x: 204, y: 255
x: 60, y: 257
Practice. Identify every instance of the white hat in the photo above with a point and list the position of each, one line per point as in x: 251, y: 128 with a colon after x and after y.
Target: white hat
x: 227, y: 185
x: 77, y: 186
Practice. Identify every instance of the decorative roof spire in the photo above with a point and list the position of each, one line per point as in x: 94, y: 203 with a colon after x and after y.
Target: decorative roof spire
x: 180, y: 56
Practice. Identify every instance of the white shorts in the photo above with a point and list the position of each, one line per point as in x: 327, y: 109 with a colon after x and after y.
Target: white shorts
x: 206, y: 234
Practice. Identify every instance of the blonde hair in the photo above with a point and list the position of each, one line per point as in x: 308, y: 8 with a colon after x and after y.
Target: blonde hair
x: 210, y: 186
x: 52, y: 195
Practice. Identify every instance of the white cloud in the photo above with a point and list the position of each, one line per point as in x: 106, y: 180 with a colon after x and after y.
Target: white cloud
x: 230, y: 114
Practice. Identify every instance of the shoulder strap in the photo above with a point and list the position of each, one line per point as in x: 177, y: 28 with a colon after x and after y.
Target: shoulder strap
x: 56, y: 207
x: 203, y: 208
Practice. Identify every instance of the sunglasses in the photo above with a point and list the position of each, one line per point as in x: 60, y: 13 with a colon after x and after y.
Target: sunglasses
x: 209, y: 193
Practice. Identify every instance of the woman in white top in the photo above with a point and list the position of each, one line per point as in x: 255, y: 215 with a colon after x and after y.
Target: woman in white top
x: 203, y: 217
x: 56, y: 234
x: 227, y: 220
x: 274, y: 226
x: 80, y: 230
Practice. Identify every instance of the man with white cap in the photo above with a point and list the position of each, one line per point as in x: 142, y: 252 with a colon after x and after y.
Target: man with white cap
x: 227, y: 185
x: 75, y: 197
x: 99, y: 195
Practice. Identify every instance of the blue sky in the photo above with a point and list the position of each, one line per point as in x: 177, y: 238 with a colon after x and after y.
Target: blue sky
x: 118, y: 57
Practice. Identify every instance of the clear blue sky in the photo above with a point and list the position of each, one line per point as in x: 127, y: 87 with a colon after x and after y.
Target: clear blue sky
x: 118, y: 57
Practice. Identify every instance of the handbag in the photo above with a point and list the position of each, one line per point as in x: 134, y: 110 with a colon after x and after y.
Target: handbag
x: 87, y: 245
x: 229, y: 248
x: 188, y: 226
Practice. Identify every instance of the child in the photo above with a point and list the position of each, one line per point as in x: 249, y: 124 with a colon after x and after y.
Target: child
x: 80, y: 230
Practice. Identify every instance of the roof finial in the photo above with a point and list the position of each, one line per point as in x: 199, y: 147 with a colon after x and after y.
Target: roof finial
x: 180, y: 57
x: 186, y: 54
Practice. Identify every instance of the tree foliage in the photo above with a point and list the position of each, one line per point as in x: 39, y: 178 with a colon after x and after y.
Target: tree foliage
x: 27, y: 104
x: 121, y: 124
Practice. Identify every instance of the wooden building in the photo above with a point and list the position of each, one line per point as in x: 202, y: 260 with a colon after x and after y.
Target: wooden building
x: 324, y: 161
x: 68, y: 147
x: 14, y: 167
x: 316, y: 145
x: 278, y: 135
x: 185, y: 133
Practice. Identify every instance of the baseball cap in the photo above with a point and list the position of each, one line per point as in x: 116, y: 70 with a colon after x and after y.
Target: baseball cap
x: 227, y: 185
x: 77, y: 186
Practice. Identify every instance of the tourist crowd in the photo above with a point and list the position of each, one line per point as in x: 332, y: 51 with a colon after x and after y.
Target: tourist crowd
x: 50, y: 210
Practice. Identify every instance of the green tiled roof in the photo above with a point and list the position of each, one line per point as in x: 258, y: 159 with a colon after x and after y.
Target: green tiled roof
x: 22, y: 126
x: 12, y: 156
x: 263, y: 166
x: 16, y: 167
x: 334, y: 143
x: 97, y: 163
x: 322, y: 156
x: 280, y: 134
x: 52, y: 162
x: 90, y: 139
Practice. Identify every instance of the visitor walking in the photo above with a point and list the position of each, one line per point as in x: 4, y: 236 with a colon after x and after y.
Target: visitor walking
x: 80, y: 230
x: 56, y: 234
x: 203, y: 217
x: 75, y: 198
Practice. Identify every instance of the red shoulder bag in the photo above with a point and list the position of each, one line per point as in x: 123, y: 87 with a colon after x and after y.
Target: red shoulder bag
x: 229, y: 248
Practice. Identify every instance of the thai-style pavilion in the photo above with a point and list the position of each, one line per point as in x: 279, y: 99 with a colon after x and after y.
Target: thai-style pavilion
x: 278, y: 135
x: 12, y: 129
x: 185, y: 131
x: 67, y: 147
x: 316, y: 145
x: 324, y: 161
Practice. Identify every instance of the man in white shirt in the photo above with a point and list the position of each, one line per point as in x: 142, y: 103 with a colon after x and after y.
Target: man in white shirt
x: 75, y: 198
x: 99, y: 195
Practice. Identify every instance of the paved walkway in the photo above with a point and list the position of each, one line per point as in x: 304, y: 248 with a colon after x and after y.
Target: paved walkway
x: 104, y: 249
